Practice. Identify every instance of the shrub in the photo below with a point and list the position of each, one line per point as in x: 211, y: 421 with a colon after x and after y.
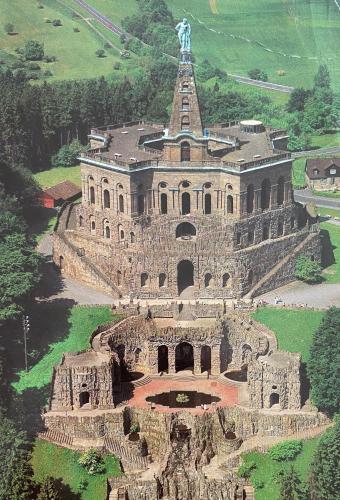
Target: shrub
x: 67, y: 155
x: 57, y: 22
x: 32, y: 66
x: 257, y: 74
x: 100, y: 53
x: 307, y: 270
x: 107, y: 45
x: 258, y: 484
x: 47, y: 73
x: 50, y: 59
x: 245, y: 470
x: 134, y: 428
x: 33, y: 76
x: 182, y: 398
x: 33, y: 50
x: 117, y: 66
x: 280, y: 72
x: 19, y: 50
x: 47, y: 20
x: 83, y: 484
x: 9, y: 28
x: 40, y: 6
x: 76, y: 30
x: 92, y: 461
x: 287, y: 450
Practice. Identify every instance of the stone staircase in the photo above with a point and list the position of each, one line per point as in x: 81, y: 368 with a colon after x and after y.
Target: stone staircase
x: 278, y: 267
x: 57, y: 437
x: 130, y: 460
x: 142, y: 381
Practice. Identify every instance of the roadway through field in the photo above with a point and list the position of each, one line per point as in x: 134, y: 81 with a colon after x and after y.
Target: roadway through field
x: 105, y: 21
x: 264, y: 85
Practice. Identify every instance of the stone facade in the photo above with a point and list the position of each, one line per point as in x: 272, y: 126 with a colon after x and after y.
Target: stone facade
x: 185, y: 210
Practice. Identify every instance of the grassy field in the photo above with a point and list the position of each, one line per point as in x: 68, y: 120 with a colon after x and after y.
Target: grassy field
x: 53, y: 176
x: 331, y: 274
x: 327, y: 194
x: 75, y: 52
x: 267, y: 469
x: 56, y: 329
x: 294, y: 328
x: 328, y: 211
x: 51, y: 460
x: 326, y: 140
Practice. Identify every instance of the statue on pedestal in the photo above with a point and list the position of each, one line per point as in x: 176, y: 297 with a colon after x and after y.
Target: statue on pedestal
x: 184, y: 35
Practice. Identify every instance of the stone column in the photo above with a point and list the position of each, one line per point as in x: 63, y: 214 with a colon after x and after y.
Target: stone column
x: 197, y: 360
x: 84, y: 190
x: 215, y: 359
x: 171, y: 359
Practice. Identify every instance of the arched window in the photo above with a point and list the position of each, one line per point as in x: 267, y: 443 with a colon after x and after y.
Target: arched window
x: 185, y: 151
x: 185, y: 104
x: 81, y: 220
x: 250, y: 277
x: 185, y: 203
x: 164, y: 203
x: 207, y: 204
x: 280, y: 191
x: 280, y: 228
x: 230, y: 204
x: 265, y: 194
x: 132, y: 237
x: 93, y: 225
x: 106, y: 198
x: 119, y: 278
x: 251, y: 235
x: 161, y: 280
x: 121, y: 234
x: 121, y: 203
x: 207, y: 280
x: 140, y: 204
x: 250, y: 199
x: 225, y: 280
x: 92, y: 195
x: 185, y: 122
x: 144, y: 279
x: 107, y: 232
x: 186, y: 230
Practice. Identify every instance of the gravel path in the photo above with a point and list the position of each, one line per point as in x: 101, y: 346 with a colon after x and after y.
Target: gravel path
x: 319, y: 296
x: 56, y: 286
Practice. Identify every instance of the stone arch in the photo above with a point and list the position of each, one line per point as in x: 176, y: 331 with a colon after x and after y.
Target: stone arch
x: 185, y: 103
x: 250, y: 198
x: 81, y: 220
x: 185, y: 122
x: 121, y: 233
x: 107, y: 232
x: 186, y: 205
x: 162, y: 280
x: 92, y: 224
x: 163, y: 358
x: 186, y: 230
x: 274, y: 399
x: 132, y: 237
x: 140, y: 204
x: 137, y: 354
x: 164, y: 203
x: 106, y: 196
x: 208, y: 280
x: 185, y: 151
x: 92, y: 195
x: 246, y: 354
x: 280, y: 190
x: 207, y: 203
x: 205, y: 359
x: 184, y: 356
x: 265, y: 194
x: 84, y: 398
x: 280, y: 227
x: 185, y: 275
x: 225, y: 280
x: 144, y: 280
x: 230, y: 204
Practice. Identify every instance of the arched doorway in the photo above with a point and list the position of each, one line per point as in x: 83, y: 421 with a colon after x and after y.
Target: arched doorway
x: 184, y: 357
x: 274, y: 399
x: 205, y: 359
x: 84, y: 398
x: 185, y: 275
x: 185, y: 230
x: 163, y: 359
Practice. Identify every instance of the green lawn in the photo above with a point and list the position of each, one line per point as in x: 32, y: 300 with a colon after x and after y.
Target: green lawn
x: 331, y: 274
x: 267, y: 469
x: 51, y: 460
x: 298, y: 173
x: 327, y: 194
x: 56, y: 329
x: 53, y: 176
x: 326, y: 140
x: 294, y: 328
x: 75, y: 52
x: 328, y: 211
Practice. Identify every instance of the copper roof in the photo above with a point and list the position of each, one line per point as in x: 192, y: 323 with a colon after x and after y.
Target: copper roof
x: 63, y: 191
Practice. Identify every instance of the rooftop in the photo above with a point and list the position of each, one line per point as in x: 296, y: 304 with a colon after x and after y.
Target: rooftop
x: 63, y: 191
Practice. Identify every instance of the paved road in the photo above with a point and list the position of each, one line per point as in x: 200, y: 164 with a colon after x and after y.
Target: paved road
x: 105, y: 21
x: 320, y: 296
x: 306, y: 196
x: 56, y: 286
x: 317, y: 152
x: 264, y: 85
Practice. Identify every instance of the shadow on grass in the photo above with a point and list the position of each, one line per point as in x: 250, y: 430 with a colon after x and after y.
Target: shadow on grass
x: 39, y: 218
x: 327, y: 252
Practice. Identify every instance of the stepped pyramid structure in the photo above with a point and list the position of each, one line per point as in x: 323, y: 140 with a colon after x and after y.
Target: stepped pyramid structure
x: 185, y: 210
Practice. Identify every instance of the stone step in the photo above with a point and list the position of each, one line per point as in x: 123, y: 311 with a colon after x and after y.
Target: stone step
x: 56, y: 437
x: 142, y: 381
x: 130, y: 460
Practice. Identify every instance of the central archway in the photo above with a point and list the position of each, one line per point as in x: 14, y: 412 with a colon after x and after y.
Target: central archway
x: 185, y: 275
x: 184, y: 357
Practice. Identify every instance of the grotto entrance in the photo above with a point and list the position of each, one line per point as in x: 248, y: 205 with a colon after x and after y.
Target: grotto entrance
x: 206, y: 359
x: 163, y: 359
x: 185, y: 275
x: 84, y: 398
x: 184, y: 357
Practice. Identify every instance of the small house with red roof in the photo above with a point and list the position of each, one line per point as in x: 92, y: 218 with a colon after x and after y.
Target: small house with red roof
x: 57, y: 195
